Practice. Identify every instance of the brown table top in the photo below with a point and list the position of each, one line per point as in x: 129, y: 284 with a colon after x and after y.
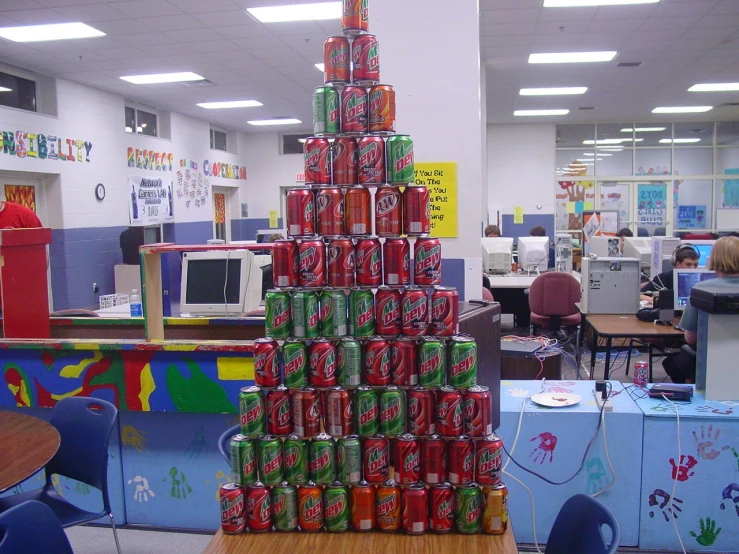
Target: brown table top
x: 27, y: 443
x: 630, y: 326
x: 375, y: 542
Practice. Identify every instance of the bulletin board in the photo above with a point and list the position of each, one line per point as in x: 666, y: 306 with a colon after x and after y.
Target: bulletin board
x: 600, y: 223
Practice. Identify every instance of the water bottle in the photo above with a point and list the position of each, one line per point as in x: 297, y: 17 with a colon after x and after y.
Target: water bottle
x: 135, y: 303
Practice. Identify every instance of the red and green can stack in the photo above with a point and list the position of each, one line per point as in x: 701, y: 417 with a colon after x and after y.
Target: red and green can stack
x: 278, y: 320
x: 251, y: 410
x: 295, y: 364
x: 243, y: 460
x: 322, y: 459
x: 361, y: 312
x: 463, y: 362
x: 285, y: 507
x: 295, y: 460
x: 366, y: 408
x: 431, y: 363
x: 271, y: 469
x: 336, y: 510
x: 305, y: 314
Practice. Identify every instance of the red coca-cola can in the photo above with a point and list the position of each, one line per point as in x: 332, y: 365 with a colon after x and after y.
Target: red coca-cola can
x: 300, y: 212
x: 371, y: 169
x: 415, y: 509
x: 365, y: 60
x: 279, y: 412
x: 258, y: 508
x: 489, y: 460
x: 388, y: 212
x: 354, y: 110
x: 330, y: 211
x: 341, y: 263
x: 449, y: 412
x: 336, y: 58
x: 322, y: 363
x: 377, y: 360
x: 317, y: 154
x: 387, y: 312
x: 444, y: 311
x: 478, y: 411
x: 405, y: 363
x: 358, y: 210
x: 307, y: 413
x: 285, y: 263
x: 233, y: 505
x: 461, y: 460
x: 396, y: 255
x: 442, y: 508
x: 312, y: 255
x: 433, y: 460
x: 345, y: 160
x: 266, y: 363
x: 414, y: 311
x: 427, y: 261
x: 421, y: 411
x: 369, y: 262
x: 375, y: 458
x: 339, y: 420
x: 416, y: 211
x: 407, y: 459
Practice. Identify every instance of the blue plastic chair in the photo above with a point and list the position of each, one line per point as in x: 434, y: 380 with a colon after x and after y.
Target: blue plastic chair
x: 223, y: 445
x: 85, y: 425
x: 577, y: 529
x: 32, y: 528
x: 642, y: 232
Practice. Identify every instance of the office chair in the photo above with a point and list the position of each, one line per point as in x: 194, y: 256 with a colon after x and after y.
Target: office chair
x: 642, y: 232
x: 223, y: 442
x: 552, y: 299
x: 660, y: 232
x: 487, y: 295
x: 85, y: 425
x: 698, y: 236
x: 577, y: 529
x: 32, y: 528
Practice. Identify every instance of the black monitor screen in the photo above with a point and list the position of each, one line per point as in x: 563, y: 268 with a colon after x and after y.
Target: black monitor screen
x: 686, y: 282
x: 206, y: 279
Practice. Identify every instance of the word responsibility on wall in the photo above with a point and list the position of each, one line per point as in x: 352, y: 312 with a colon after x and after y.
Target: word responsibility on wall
x: 46, y: 147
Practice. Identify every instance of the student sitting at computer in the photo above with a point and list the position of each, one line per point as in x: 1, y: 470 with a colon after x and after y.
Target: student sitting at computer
x: 685, y: 257
x: 492, y: 231
x: 622, y: 234
x: 539, y: 231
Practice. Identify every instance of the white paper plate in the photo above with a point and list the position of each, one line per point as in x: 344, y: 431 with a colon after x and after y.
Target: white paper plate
x: 556, y: 399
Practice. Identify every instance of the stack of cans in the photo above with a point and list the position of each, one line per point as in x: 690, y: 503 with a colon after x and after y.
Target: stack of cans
x: 366, y: 413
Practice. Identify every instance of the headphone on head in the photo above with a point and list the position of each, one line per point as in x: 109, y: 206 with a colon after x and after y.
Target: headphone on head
x: 684, y: 246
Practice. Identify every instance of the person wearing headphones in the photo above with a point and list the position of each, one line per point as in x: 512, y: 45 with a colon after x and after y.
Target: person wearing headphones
x: 685, y: 256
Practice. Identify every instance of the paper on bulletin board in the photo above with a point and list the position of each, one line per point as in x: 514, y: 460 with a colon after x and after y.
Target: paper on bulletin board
x: 570, y: 207
x: 517, y: 214
x: 273, y: 219
x: 441, y: 180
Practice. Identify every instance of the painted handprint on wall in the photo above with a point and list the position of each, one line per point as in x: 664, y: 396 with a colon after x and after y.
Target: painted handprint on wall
x: 180, y: 487
x: 196, y: 445
x: 546, y: 446
x: 730, y: 493
x: 661, y: 500
x: 133, y: 438
x: 141, y: 492
x: 709, y: 533
x: 708, y: 409
x: 597, y: 476
x: 707, y: 443
x: 517, y: 393
x: 682, y: 471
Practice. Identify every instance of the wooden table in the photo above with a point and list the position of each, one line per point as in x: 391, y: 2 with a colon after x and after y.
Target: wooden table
x: 27, y: 443
x: 372, y: 543
x: 626, y: 327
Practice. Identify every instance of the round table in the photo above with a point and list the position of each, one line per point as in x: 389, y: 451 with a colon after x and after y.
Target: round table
x: 27, y: 444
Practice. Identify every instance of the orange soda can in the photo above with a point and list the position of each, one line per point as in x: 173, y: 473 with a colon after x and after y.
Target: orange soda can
x: 495, y: 515
x: 354, y: 16
x: 363, y: 507
x: 336, y: 57
x: 310, y: 507
x: 388, y: 506
x: 382, y: 109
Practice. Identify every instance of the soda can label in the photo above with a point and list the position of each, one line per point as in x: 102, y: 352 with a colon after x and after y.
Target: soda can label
x: 400, y: 166
x: 319, y: 110
x: 341, y: 263
x: 469, y: 509
x: 369, y: 262
x: 377, y: 359
x: 339, y: 416
x: 388, y: 212
x: 266, y: 363
x: 415, y: 509
x: 397, y: 262
x: 414, y: 312
x: 349, y: 460
x: 354, y: 16
x: 478, y: 412
x: 461, y: 461
x: 371, y: 160
x: 333, y: 314
x: 349, y: 363
x: 285, y: 507
x: 345, y: 160
x: 463, y: 363
x: 361, y: 313
x: 258, y: 508
x: 279, y: 413
x: 305, y: 314
x: 387, y: 307
x: 278, y: 320
x: 376, y: 459
x: 312, y: 256
x: 317, y: 165
x: 366, y: 60
x: 421, y: 412
x: 442, y: 511
x: 233, y: 509
x: 427, y: 255
x: 641, y: 374
x: 495, y: 515
x: 330, y: 211
x: 295, y: 456
x: 404, y: 365
x: 381, y: 109
x: 449, y: 412
x: 444, y: 311
x: 431, y: 363
x: 489, y: 460
x: 285, y: 263
x: 358, y: 210
x: 243, y: 460
x: 299, y: 202
x: 363, y: 507
x: 322, y: 467
x: 433, y: 460
x: 388, y: 507
x: 270, y: 460
x: 407, y: 460
x: 251, y: 409
x: 336, y: 508
x: 354, y: 110
x: 322, y: 361
x: 392, y: 412
x: 336, y: 58
x: 367, y: 409
x: 310, y: 508
x: 295, y: 364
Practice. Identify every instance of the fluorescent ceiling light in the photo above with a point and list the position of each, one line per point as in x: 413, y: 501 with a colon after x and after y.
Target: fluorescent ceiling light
x: 682, y: 109
x: 320, y: 67
x: 714, y: 87
x: 163, y: 78
x: 6, y: 89
x: 612, y: 141
x: 231, y: 104
x: 528, y: 113
x: 56, y: 31
x: 643, y: 129
x: 679, y: 141
x: 552, y: 91
x: 598, y: 154
x: 572, y: 57
x: 274, y: 122
x: 297, y: 12
x: 580, y: 3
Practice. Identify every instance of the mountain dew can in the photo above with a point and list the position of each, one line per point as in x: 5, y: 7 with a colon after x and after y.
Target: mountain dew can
x: 336, y: 508
x: 322, y: 462
x: 366, y: 408
x: 278, y: 321
x: 270, y: 460
x: 392, y: 411
x: 285, y: 507
x: 431, y: 363
x: 333, y: 313
x: 349, y: 460
x: 243, y: 460
x: 305, y: 313
x: 295, y: 364
x: 295, y: 459
x: 349, y: 362
x: 251, y: 410
x: 400, y: 167
x: 361, y: 312
x: 326, y: 109
x: 463, y: 362
x: 469, y: 509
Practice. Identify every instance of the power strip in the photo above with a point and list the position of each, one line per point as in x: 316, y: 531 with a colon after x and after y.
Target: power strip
x: 600, y: 402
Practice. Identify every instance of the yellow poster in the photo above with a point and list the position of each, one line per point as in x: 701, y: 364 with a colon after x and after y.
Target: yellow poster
x: 441, y: 180
x: 517, y: 215
x: 273, y: 219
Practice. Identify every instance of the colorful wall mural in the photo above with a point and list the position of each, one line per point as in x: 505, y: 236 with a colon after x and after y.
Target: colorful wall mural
x: 22, y: 144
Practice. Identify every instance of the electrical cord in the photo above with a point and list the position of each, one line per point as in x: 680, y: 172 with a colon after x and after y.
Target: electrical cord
x: 605, y: 447
x: 674, y: 481
x: 533, y: 509
x: 225, y: 284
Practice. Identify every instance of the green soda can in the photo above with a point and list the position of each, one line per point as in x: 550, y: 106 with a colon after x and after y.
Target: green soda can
x: 243, y: 460
x: 400, y: 167
x: 361, y: 312
x: 392, y: 411
x: 278, y: 322
x: 333, y: 313
x: 349, y: 365
x: 367, y: 412
x: 332, y: 105
x: 336, y: 510
x: 469, y: 509
x: 431, y: 363
x: 319, y: 111
x: 295, y: 364
x: 463, y: 362
x: 322, y: 460
x: 271, y: 468
x: 349, y: 460
x: 285, y: 507
x: 295, y: 459
x: 251, y: 410
x: 305, y: 312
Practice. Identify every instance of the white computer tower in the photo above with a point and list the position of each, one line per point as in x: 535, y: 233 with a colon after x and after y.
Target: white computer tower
x: 610, y: 285
x: 563, y: 253
x: 662, y: 249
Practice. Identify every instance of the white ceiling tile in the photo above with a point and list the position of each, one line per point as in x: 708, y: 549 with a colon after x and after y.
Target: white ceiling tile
x: 719, y: 21
x: 145, y: 39
x: 123, y: 27
x: 510, y: 16
x: 694, y: 8
x: 185, y: 58
x: 671, y: 23
x: 567, y: 14
x: 171, y: 23
x: 91, y: 13
x: 198, y: 6
x: 725, y: 7
x: 10, y: 5
x: 146, y: 8
x: 638, y: 11
x: 211, y: 46
x: 271, y: 53
x: 261, y: 42
x: 509, y: 29
x: 201, y: 34
x: 543, y: 41
x: 217, y: 19
x: 507, y: 4
x: 552, y: 27
x: 36, y: 17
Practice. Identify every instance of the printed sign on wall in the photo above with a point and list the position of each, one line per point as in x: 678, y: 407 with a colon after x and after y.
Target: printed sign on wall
x: 652, y: 205
x: 151, y: 201
x: 691, y: 217
x: 149, y: 159
x: 441, y: 180
x: 192, y: 193
x: 45, y: 147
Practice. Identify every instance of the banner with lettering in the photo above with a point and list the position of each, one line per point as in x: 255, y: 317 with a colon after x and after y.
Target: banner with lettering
x: 441, y: 180
x: 150, y: 201
x: 691, y: 217
x: 652, y: 206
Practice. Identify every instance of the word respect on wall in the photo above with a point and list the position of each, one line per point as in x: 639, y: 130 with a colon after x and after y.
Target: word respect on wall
x: 149, y: 159
x: 45, y: 147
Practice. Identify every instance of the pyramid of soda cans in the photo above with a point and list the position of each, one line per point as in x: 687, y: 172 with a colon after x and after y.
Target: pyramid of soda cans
x: 366, y: 414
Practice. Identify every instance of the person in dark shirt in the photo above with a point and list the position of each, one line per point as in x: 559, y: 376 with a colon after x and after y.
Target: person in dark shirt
x: 686, y: 257
x: 539, y: 231
x: 622, y: 234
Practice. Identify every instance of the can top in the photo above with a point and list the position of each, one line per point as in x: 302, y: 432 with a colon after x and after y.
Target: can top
x: 267, y: 438
x: 390, y: 483
x: 460, y: 438
x: 497, y: 486
x: 376, y: 339
x: 404, y: 137
x: 337, y: 485
x: 320, y: 340
x: 444, y: 289
x: 492, y: 437
x: 390, y: 388
x: 230, y: 486
x: 406, y: 437
x: 448, y: 388
x: 381, y: 85
x: 251, y: 389
x: 285, y: 486
x: 417, y: 487
x: 257, y: 485
x: 322, y: 437
x: 293, y: 437
x: 462, y: 338
x: 281, y: 388
x: 362, y: 484
x: 325, y: 86
x: 468, y: 486
x: 444, y: 485
x: 349, y: 339
x: 309, y: 484
x: 478, y: 388
x: 337, y: 388
x: 265, y: 340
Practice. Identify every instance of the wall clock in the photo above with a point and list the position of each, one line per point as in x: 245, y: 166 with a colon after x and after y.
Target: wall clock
x: 99, y: 191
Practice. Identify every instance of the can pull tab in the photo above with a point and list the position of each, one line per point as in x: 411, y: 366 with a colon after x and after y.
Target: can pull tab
x: 543, y: 383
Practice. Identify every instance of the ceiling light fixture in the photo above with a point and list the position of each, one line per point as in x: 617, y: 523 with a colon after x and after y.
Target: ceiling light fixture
x: 643, y: 129
x: 6, y: 89
x: 572, y: 57
x: 297, y: 12
x: 552, y: 91
x: 581, y: 3
x: 530, y: 113
x: 714, y: 87
x: 163, y: 78
x: 230, y: 104
x: 320, y: 67
x: 679, y: 141
x: 682, y: 109
x: 56, y: 31
x: 285, y: 121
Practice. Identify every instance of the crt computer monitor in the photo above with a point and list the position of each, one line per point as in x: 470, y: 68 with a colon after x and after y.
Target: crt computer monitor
x: 639, y: 248
x: 604, y: 246
x: 497, y: 254
x: 533, y: 253
x: 220, y: 283
x: 683, y: 282
x: 704, y: 247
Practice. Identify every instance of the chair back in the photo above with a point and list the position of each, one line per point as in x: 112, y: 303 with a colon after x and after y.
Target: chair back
x: 84, y: 425
x: 660, y: 232
x: 578, y: 528
x: 554, y: 294
x: 223, y: 442
x: 487, y: 295
x: 698, y: 236
x: 32, y: 528
x: 642, y: 232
